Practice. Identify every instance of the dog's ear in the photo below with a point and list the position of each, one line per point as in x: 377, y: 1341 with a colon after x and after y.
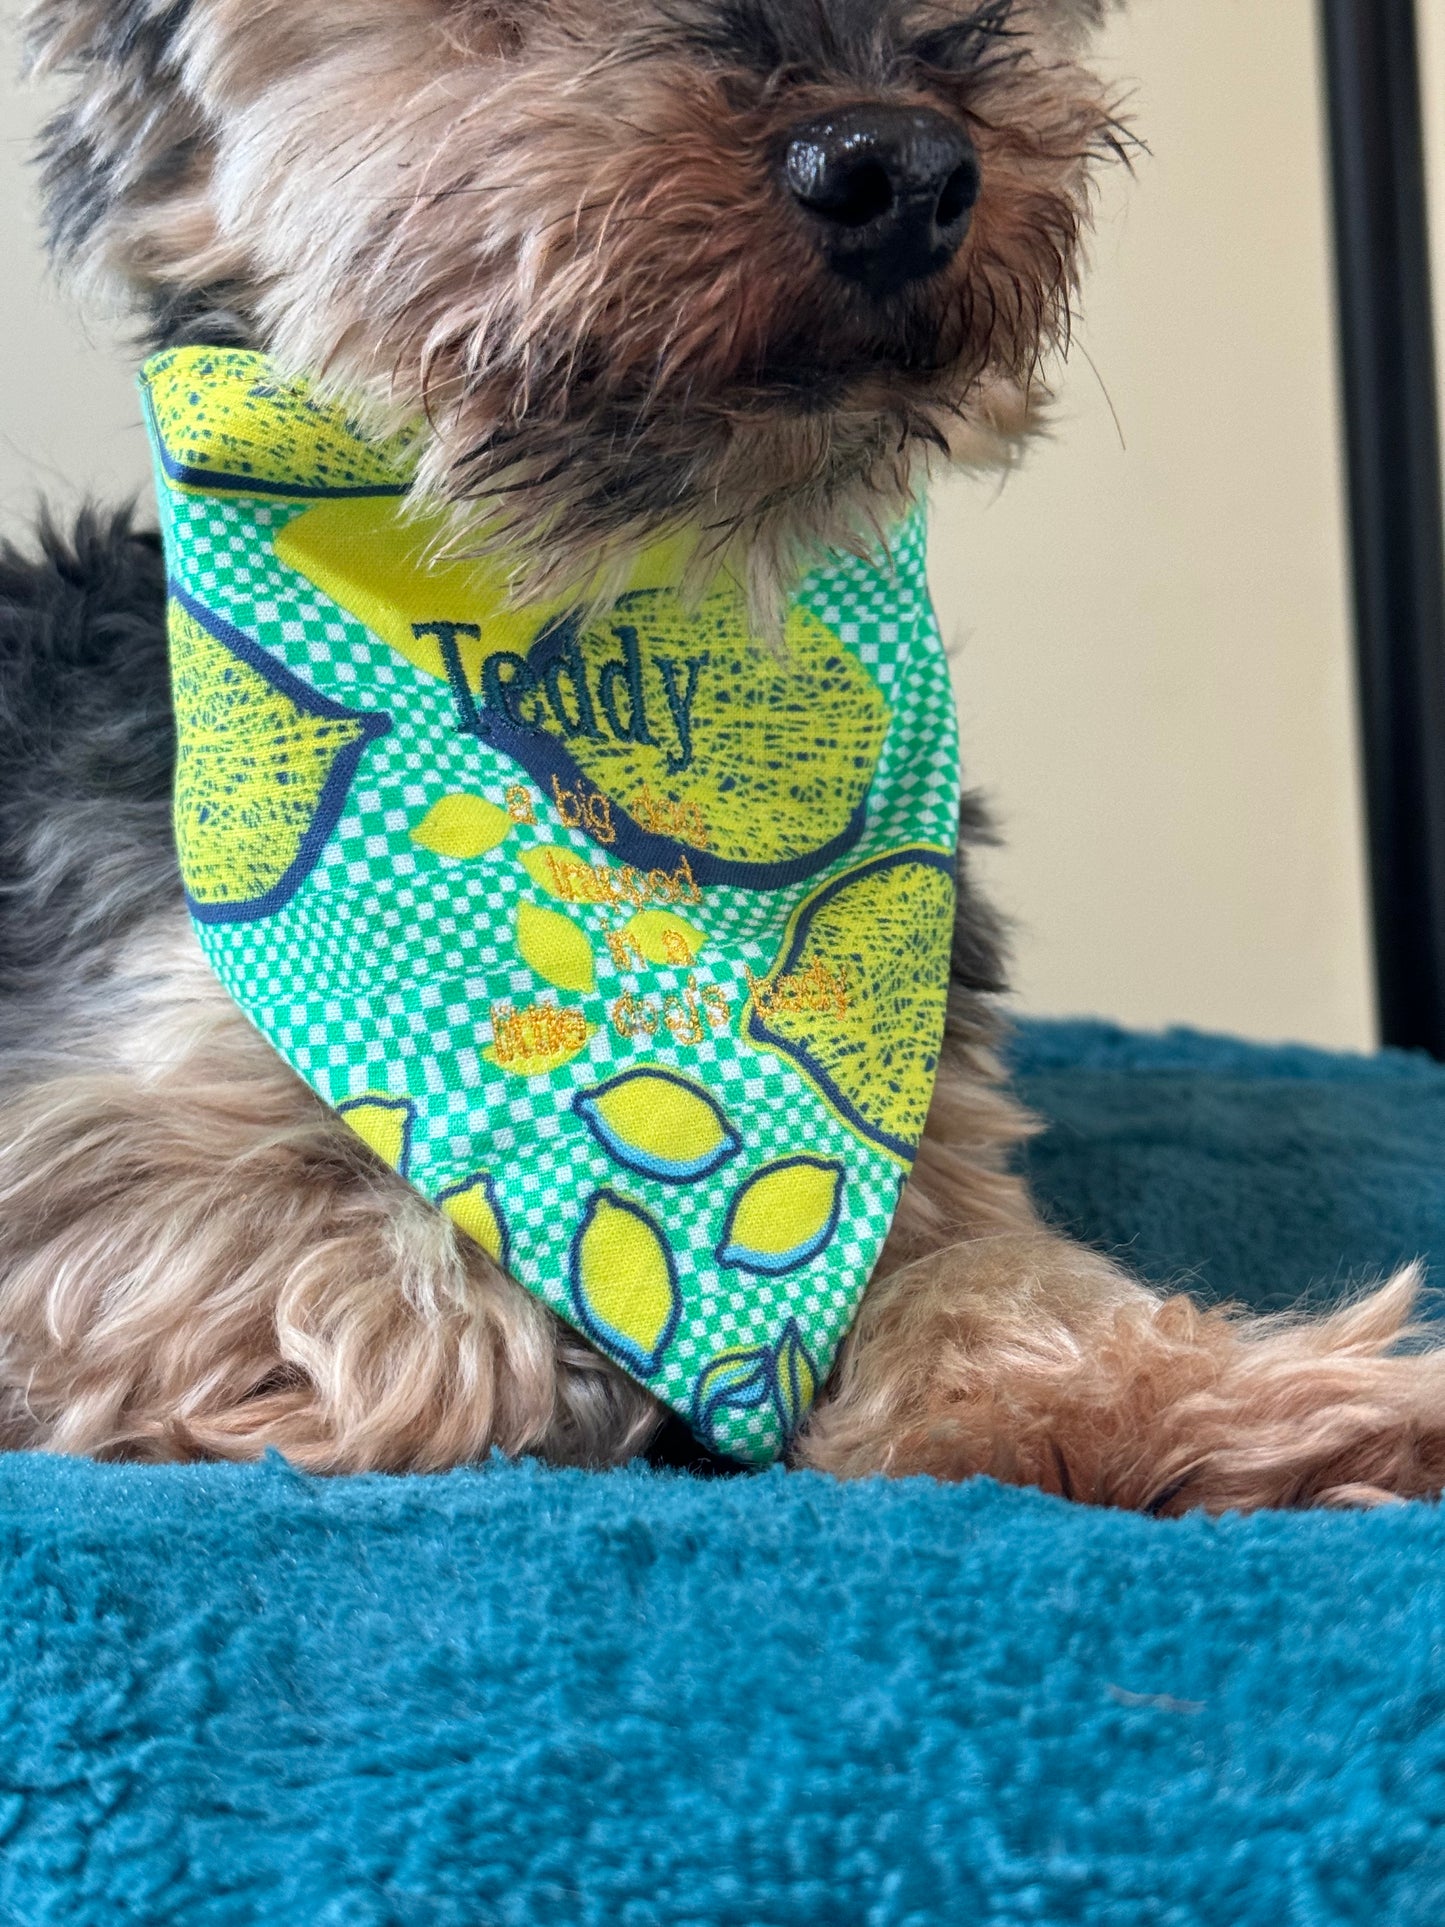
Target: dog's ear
x: 129, y: 164
x: 127, y: 141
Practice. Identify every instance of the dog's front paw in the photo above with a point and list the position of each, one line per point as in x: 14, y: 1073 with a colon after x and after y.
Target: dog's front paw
x: 1035, y: 1361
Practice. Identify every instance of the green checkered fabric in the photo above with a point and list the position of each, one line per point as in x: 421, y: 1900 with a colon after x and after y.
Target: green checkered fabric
x: 622, y: 936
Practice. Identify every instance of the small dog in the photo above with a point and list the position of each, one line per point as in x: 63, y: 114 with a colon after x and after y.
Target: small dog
x: 733, y: 268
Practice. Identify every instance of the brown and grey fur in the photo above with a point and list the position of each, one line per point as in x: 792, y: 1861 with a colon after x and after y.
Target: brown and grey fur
x: 552, y: 231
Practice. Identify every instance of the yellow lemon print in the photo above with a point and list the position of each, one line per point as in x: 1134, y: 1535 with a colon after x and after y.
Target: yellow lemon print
x: 263, y: 773
x: 559, y: 871
x: 462, y: 826
x: 663, y: 938
x: 384, y: 1123
x: 388, y: 564
x: 739, y: 1380
x: 783, y: 1216
x: 660, y: 1124
x: 772, y: 752
x: 795, y: 1378
x: 381, y: 561
x: 624, y: 1283
x: 555, y: 948
x: 473, y: 1207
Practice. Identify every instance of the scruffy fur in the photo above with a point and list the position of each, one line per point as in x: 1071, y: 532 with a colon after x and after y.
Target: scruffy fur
x: 552, y: 231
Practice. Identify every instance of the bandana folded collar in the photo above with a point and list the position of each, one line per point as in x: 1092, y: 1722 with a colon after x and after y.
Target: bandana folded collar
x: 625, y: 940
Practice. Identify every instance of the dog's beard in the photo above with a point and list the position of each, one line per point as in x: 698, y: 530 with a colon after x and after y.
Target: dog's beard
x: 757, y: 481
x: 599, y: 387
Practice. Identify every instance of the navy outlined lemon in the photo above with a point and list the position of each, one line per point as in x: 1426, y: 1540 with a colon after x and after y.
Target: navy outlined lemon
x: 783, y: 1216
x: 878, y: 938
x: 740, y: 1380
x: 475, y: 1208
x: 263, y: 768
x: 624, y: 1282
x: 222, y: 419
x: 748, y: 1377
x: 384, y: 1124
x: 660, y: 1124
x: 795, y: 1378
x: 774, y: 751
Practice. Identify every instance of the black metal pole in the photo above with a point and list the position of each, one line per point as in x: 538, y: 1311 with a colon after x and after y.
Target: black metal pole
x: 1382, y: 238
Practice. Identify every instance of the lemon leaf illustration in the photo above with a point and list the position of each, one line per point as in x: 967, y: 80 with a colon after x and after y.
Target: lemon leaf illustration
x: 663, y: 938
x: 734, y: 1381
x: 795, y: 1379
x: 659, y: 1124
x: 783, y: 1216
x: 385, y: 1124
x: 475, y: 1209
x: 883, y: 932
x: 226, y: 420
x: 624, y: 1283
x: 462, y: 826
x: 263, y: 768
x: 555, y: 948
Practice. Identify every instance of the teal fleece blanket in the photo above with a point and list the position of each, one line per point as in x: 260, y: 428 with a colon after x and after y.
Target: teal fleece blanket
x: 511, y: 1697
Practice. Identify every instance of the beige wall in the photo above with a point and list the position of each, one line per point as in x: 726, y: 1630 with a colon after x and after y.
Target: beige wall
x: 68, y: 421
x: 1150, y: 621
x: 1151, y: 640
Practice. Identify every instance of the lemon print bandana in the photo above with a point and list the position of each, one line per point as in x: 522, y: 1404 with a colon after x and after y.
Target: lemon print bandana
x: 624, y: 938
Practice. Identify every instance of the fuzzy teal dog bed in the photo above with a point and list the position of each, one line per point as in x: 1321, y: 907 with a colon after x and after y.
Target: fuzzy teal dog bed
x: 516, y: 1698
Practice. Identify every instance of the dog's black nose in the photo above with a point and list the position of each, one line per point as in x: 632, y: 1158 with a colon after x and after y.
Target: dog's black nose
x: 891, y: 189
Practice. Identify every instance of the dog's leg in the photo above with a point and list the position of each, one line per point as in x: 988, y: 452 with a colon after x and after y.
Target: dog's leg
x: 197, y: 1258
x: 987, y: 1343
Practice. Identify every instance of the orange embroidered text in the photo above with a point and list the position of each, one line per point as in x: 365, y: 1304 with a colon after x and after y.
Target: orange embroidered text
x: 816, y: 989
x: 578, y: 882
x: 661, y: 816
x: 587, y: 810
x: 540, y: 1030
x: 685, y: 1017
